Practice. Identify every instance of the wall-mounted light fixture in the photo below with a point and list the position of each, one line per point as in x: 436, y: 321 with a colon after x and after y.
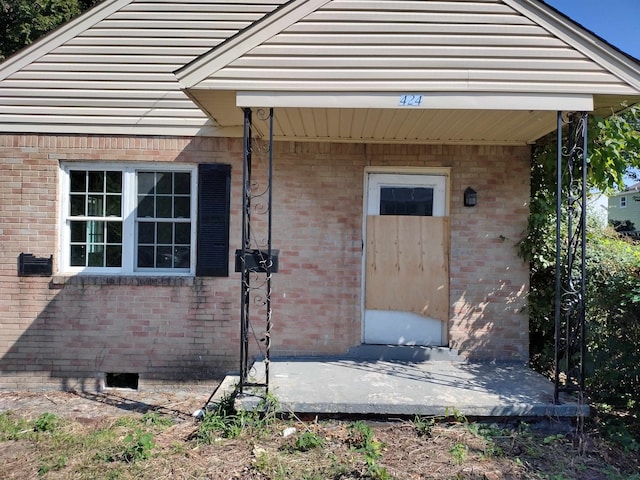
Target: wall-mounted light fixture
x: 470, y: 197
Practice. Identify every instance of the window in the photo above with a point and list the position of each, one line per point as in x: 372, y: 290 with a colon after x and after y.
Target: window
x: 163, y: 220
x: 413, y: 201
x: 134, y: 219
x: 623, y: 202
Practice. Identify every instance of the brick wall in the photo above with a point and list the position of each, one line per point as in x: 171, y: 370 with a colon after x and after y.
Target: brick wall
x: 67, y: 332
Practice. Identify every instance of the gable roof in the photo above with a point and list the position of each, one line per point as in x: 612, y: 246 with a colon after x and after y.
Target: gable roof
x: 111, y: 70
x: 356, y: 45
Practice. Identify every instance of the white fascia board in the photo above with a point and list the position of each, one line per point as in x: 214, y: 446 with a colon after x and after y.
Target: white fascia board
x: 587, y: 43
x: 256, y: 34
x: 413, y: 100
x: 59, y: 36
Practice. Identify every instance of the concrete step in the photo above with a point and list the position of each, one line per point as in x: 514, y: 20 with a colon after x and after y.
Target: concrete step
x: 404, y: 353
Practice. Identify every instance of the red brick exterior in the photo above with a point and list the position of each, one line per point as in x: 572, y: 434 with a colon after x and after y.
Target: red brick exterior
x: 59, y: 332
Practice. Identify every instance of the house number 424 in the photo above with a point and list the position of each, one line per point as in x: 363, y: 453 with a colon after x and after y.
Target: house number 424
x: 410, y: 101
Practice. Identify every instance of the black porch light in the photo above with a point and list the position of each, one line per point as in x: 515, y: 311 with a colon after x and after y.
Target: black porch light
x: 470, y: 197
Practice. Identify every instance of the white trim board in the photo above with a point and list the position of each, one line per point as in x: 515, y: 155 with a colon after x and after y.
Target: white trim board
x: 393, y: 100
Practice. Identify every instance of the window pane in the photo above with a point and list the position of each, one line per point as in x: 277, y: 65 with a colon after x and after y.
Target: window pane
x: 165, y: 233
x: 145, y: 207
x: 114, y: 232
x: 164, y: 258
x: 416, y: 201
x: 145, y: 257
x: 113, y: 206
x: 78, y: 180
x: 146, y: 232
x: 164, y: 183
x: 114, y: 256
x: 182, y: 257
x: 146, y: 183
x: 95, y: 206
x: 78, y: 232
x: 95, y: 232
x: 182, y: 206
x: 163, y: 205
x: 96, y: 256
x: 78, y: 255
x: 183, y: 233
x: 182, y: 183
x: 114, y: 182
x: 77, y: 205
x: 96, y: 182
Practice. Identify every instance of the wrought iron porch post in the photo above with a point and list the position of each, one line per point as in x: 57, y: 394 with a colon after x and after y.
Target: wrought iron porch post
x: 256, y: 256
x: 245, y: 285
x: 570, y: 341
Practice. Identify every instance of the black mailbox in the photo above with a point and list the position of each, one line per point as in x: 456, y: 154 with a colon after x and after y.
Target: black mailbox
x: 257, y: 260
x: 31, y: 266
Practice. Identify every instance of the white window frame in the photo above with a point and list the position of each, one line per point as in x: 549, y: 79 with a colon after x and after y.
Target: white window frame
x: 129, y: 205
x: 623, y: 202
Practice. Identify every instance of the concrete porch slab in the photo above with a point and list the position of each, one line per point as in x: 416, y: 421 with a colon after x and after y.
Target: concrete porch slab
x: 432, y: 388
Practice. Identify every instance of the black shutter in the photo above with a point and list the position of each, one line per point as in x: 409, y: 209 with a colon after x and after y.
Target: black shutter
x: 214, y: 187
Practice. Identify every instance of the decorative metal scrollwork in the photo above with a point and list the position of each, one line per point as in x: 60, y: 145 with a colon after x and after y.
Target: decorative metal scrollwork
x: 570, y: 342
x: 256, y: 245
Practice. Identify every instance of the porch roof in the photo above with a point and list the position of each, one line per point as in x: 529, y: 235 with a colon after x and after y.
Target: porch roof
x: 491, y: 71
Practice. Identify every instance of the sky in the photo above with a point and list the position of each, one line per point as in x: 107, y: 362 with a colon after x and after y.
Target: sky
x: 617, y: 21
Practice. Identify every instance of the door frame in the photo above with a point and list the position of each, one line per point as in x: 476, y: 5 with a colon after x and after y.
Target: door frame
x: 391, y: 170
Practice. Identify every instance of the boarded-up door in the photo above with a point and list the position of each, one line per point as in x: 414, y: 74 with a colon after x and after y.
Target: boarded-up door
x: 406, y: 260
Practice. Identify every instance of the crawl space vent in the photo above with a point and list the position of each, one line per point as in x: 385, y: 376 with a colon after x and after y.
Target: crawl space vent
x: 122, y: 380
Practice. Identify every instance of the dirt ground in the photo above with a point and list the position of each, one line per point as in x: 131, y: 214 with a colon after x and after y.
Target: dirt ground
x: 404, y: 448
x: 179, y: 403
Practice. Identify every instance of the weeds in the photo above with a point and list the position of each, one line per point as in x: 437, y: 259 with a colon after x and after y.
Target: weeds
x: 138, y: 446
x: 129, y: 447
x: 423, y: 426
x: 617, y: 431
x: 459, y: 453
x: 13, y: 428
x: 362, y: 440
x: 552, y: 439
x: 307, y: 441
x: 154, y: 419
x: 225, y: 422
x: 57, y: 463
x: 456, y: 414
x: 47, y: 422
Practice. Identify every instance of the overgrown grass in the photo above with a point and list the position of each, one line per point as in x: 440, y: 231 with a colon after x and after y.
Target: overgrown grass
x: 231, y: 444
x: 96, y: 452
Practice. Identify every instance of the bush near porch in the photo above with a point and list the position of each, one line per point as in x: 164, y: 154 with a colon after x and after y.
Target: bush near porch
x: 613, y: 279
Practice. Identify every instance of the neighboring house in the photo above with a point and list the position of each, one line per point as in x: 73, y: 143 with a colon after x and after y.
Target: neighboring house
x: 121, y: 152
x: 625, y: 205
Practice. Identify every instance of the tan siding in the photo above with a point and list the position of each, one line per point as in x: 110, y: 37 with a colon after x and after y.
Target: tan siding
x: 117, y: 76
x: 482, y: 45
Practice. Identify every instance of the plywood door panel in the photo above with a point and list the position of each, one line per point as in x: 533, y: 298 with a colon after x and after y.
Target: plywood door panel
x: 407, y: 265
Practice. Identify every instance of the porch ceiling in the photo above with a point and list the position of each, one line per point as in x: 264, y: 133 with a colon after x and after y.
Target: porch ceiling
x: 489, y: 119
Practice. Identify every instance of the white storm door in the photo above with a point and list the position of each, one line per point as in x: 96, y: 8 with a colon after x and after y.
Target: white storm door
x: 406, y: 281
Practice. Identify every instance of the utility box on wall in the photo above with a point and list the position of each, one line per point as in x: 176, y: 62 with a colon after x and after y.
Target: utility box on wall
x: 257, y: 260
x: 31, y: 266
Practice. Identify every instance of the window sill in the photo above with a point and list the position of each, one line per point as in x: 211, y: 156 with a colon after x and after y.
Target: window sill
x: 126, y: 280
